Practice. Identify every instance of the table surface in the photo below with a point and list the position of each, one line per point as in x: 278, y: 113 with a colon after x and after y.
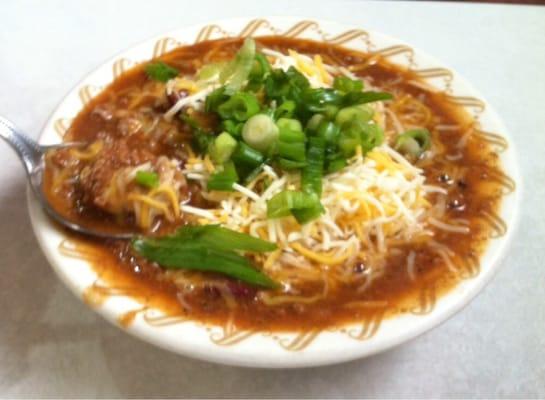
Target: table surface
x: 51, y: 345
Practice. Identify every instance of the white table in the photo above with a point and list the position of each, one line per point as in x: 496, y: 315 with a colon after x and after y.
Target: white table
x: 52, y: 345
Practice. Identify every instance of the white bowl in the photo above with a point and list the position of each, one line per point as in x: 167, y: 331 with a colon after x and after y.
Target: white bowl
x: 285, y: 350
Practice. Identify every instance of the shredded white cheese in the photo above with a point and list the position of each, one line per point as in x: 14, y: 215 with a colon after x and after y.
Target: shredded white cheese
x: 194, y: 100
x: 373, y: 201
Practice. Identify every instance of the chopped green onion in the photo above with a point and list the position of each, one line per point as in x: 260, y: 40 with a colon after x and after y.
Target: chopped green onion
x: 277, y: 115
x: 215, y: 99
x: 277, y: 85
x: 354, y: 98
x: 224, y: 179
x: 360, y: 113
x: 330, y: 111
x: 260, y: 69
x: 311, y: 177
x: 291, y: 136
x: 288, y: 85
x: 222, y: 148
x: 244, y: 154
x: 371, y: 137
x: 328, y: 131
x: 160, y: 71
x: 210, y: 70
x: 293, y: 151
x: 290, y: 164
x: 291, y: 144
x: 202, y: 141
x: 254, y: 173
x: 227, y: 71
x: 347, y: 85
x: 240, y: 107
x: 282, y: 204
x: 413, y: 142
x: 361, y: 134
x: 290, y: 124
x: 226, y: 239
x: 147, y: 179
x: 317, y: 100
x: 199, y: 257
x: 308, y: 214
x: 314, y: 122
x: 260, y: 132
x: 238, y: 70
x: 285, y: 110
x: 336, y: 165
x: 348, y: 145
x: 192, y: 122
x: 232, y: 127
x: 209, y: 249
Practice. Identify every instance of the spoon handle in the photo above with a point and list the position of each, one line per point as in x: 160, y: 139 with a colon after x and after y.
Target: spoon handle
x: 28, y: 150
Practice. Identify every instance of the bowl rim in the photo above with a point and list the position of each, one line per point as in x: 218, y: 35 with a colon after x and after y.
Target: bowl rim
x: 270, y: 357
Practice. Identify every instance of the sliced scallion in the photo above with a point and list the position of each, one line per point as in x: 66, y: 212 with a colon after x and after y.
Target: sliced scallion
x: 160, y: 71
x: 223, y: 180
x: 314, y: 122
x: 336, y: 165
x: 223, y: 238
x: 360, y: 113
x: 311, y: 176
x: 209, y: 71
x: 208, y: 249
x: 286, y: 164
x: 260, y: 132
x: 238, y: 71
x: 347, y: 85
x: 244, y: 154
x: 240, y: 107
x: 328, y: 131
x: 234, y: 128
x: 222, y: 148
x: 147, y: 179
x: 293, y: 151
x: 413, y: 142
x: 282, y: 204
x: 291, y: 124
x: 285, y: 110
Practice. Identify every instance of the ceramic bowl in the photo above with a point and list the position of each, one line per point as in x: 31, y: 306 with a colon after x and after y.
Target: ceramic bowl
x: 283, y: 350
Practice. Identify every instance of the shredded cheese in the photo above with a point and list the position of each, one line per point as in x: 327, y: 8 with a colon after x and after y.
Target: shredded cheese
x: 317, y: 73
x: 375, y: 202
x: 194, y: 100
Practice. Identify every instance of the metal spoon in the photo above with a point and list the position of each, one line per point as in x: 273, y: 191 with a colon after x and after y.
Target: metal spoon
x: 31, y: 155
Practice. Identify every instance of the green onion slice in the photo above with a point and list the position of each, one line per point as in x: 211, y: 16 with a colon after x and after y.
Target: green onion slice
x: 413, y: 142
x: 347, y: 85
x: 224, y: 179
x: 354, y: 98
x: 240, y: 107
x: 222, y: 148
x: 238, y: 70
x: 210, y: 70
x: 292, y: 151
x: 160, y: 71
x: 311, y: 177
x: 284, y: 203
x: 245, y: 155
x: 147, y: 179
x: 207, y: 248
x: 260, y: 69
x: 285, y: 110
x: 260, y: 132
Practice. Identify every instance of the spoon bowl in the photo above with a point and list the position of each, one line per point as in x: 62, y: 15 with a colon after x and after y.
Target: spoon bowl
x: 32, y: 155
